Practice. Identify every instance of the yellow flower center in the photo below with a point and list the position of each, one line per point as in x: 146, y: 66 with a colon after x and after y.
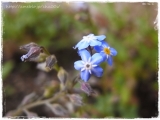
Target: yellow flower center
x: 107, y: 51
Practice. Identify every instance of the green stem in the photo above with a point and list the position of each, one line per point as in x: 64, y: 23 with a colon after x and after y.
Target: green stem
x: 56, y: 67
x: 37, y: 103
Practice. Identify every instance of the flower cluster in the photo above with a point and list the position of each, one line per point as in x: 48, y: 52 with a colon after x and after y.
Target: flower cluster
x: 90, y: 63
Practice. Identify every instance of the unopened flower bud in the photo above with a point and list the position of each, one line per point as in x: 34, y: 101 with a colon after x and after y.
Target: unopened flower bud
x: 62, y: 75
x: 32, y: 53
x: 76, y: 99
x: 28, y: 46
x: 57, y: 109
x: 50, y: 61
x: 85, y: 87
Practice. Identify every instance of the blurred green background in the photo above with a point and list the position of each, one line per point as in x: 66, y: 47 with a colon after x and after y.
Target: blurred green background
x: 128, y: 89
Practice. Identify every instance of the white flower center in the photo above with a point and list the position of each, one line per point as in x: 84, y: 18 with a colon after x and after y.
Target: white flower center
x: 88, y: 65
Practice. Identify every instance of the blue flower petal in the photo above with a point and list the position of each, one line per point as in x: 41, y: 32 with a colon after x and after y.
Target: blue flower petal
x: 85, y: 55
x: 91, y: 34
x: 78, y: 44
x: 105, y: 44
x: 113, y: 51
x: 78, y: 65
x: 96, y: 59
x: 82, y: 45
x: 100, y: 37
x: 98, y: 48
x: 109, y: 60
x: 104, y: 56
x: 97, y: 71
x: 85, y: 75
x: 95, y: 43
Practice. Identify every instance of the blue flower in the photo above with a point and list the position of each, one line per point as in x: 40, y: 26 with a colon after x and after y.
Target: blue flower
x: 90, y: 40
x: 89, y: 65
x: 106, y: 51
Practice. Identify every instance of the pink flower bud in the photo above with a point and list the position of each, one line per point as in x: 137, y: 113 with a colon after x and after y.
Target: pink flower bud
x: 32, y: 54
x: 76, y: 99
x: 85, y: 87
x: 28, y: 46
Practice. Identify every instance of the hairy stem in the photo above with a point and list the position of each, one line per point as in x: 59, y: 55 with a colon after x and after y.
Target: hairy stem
x: 37, y: 103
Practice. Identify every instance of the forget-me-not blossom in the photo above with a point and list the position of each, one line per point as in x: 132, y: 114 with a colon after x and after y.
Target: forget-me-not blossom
x: 89, y: 65
x: 106, y: 51
x: 90, y: 40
